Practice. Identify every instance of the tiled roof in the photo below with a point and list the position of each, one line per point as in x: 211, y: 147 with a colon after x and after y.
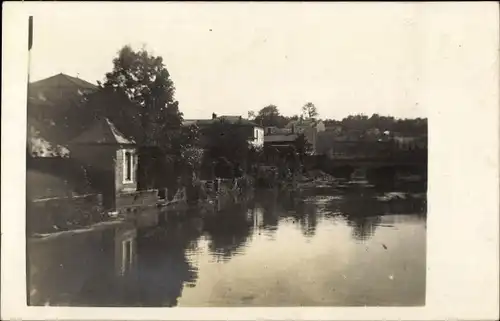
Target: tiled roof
x: 103, y: 132
x: 62, y: 80
x: 52, y: 102
x: 280, y: 138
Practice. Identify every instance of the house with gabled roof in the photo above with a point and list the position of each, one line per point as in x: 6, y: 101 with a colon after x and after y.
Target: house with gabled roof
x: 65, y: 139
x: 56, y: 108
x: 110, y: 155
x: 309, y: 127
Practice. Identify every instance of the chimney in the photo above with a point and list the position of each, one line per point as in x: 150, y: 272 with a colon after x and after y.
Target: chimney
x: 214, y: 115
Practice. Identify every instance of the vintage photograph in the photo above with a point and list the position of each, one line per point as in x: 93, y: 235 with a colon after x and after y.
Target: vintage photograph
x: 197, y: 157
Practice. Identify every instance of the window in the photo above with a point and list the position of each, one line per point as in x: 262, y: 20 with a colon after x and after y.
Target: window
x: 128, y: 166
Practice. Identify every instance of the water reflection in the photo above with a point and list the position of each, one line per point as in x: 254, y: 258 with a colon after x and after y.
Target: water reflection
x: 261, y: 252
x: 363, y: 227
x: 228, y: 232
x: 163, y: 268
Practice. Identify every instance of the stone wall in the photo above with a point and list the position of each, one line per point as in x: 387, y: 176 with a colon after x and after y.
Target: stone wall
x: 56, y: 177
x: 126, y: 201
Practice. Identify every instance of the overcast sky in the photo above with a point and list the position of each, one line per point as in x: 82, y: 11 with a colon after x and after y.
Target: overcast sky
x: 226, y: 58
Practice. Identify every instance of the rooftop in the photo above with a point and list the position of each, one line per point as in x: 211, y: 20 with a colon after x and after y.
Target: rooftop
x: 302, y: 122
x: 103, y: 132
x: 236, y: 120
x: 280, y: 138
x: 52, y: 106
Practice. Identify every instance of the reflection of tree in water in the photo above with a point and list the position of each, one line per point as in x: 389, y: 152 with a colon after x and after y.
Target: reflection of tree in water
x: 287, y: 204
x: 266, y: 212
x: 228, y: 232
x: 362, y: 214
x: 307, y: 219
x: 363, y: 227
x: 163, y: 268
x: 303, y: 213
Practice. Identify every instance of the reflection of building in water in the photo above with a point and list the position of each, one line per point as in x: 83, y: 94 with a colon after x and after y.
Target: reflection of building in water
x: 258, y: 218
x: 125, y: 250
x: 163, y: 269
x: 80, y: 267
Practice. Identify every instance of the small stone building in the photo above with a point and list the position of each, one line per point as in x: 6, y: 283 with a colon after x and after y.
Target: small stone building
x: 110, y: 157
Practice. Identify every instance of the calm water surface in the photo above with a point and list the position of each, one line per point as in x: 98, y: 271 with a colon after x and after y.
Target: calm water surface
x: 321, y: 247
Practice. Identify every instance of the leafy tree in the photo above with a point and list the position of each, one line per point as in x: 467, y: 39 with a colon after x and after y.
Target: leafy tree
x: 251, y: 115
x: 138, y: 95
x: 116, y: 106
x: 145, y: 80
x: 362, y: 123
x: 309, y: 110
x: 227, y: 141
x: 270, y: 116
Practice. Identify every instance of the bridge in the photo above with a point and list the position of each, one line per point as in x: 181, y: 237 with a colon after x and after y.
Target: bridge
x: 398, y: 159
x: 383, y: 164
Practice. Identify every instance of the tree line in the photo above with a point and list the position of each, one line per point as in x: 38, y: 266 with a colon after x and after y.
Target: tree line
x: 410, y: 126
x: 271, y: 116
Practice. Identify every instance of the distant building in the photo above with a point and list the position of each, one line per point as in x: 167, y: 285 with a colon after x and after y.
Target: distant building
x: 309, y: 127
x: 410, y: 142
x: 280, y: 139
x: 274, y: 130
x: 254, y: 132
x: 337, y: 129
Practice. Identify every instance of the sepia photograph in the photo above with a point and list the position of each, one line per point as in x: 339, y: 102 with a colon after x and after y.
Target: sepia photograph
x: 253, y: 165
x: 182, y: 155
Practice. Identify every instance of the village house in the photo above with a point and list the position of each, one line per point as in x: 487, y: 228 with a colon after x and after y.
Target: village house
x: 111, y: 160
x: 277, y: 145
x: 253, y: 131
x: 309, y: 127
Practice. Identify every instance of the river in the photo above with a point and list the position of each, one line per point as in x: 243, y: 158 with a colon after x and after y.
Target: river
x: 343, y: 246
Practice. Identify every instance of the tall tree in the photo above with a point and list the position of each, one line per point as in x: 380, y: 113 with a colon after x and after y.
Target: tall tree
x: 145, y: 80
x: 151, y: 116
x: 227, y: 141
x: 309, y: 110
